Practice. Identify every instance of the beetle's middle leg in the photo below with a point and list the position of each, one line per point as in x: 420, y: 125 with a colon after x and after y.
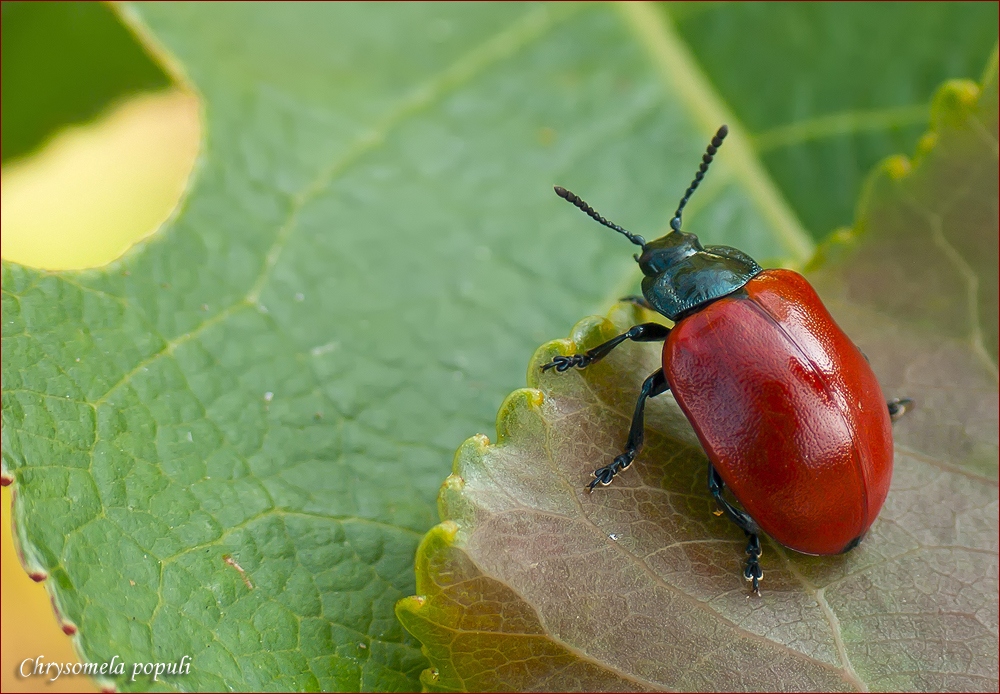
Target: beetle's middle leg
x: 644, y: 332
x: 751, y: 571
x: 898, y: 407
x: 638, y: 300
x: 655, y: 385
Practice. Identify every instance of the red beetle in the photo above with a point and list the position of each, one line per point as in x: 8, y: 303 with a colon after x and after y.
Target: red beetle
x: 787, y: 408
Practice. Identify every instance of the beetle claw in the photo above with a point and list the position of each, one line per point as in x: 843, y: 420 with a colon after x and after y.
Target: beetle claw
x: 602, y: 476
x: 559, y: 363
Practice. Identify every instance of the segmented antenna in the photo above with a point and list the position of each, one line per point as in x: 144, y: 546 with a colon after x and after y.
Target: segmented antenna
x: 576, y: 200
x: 706, y: 159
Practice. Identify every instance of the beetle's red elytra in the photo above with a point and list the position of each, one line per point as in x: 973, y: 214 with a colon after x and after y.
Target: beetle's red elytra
x: 792, y: 418
x: 786, y: 406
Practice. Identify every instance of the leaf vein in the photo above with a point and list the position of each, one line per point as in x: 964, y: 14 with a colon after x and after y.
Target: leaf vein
x: 842, y: 123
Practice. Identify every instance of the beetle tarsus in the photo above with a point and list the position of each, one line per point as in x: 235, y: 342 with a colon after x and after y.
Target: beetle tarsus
x: 604, y: 475
x: 899, y: 406
x: 644, y: 332
x: 752, y: 571
x: 565, y: 363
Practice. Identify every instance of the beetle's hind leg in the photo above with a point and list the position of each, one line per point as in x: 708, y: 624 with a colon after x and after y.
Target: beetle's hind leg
x: 651, y: 387
x: 899, y: 406
x: 751, y: 570
x: 644, y: 332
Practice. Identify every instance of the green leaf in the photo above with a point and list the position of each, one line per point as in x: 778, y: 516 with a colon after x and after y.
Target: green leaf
x: 835, y: 87
x: 227, y: 444
x: 531, y: 583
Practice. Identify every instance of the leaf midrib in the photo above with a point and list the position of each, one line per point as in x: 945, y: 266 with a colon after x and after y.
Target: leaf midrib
x: 675, y: 65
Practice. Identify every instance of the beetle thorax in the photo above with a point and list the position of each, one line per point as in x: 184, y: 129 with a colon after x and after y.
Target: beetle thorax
x: 682, y: 275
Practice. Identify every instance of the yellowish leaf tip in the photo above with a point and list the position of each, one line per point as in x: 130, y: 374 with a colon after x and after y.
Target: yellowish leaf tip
x: 447, y: 530
x: 520, y: 401
x: 953, y: 101
x: 535, y: 397
x: 926, y: 143
x: 897, y: 166
x: 412, y: 603
x: 842, y: 235
x: 453, y: 482
x: 469, y: 457
x: 441, y: 535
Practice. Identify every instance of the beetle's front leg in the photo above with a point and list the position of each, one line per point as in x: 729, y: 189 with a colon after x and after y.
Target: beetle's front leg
x: 751, y: 570
x: 651, y: 387
x: 644, y: 332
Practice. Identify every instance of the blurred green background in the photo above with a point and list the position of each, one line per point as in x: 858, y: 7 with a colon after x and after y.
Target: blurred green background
x: 845, y: 84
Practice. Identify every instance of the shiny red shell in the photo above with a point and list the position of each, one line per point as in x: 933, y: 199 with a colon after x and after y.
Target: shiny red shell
x: 787, y: 409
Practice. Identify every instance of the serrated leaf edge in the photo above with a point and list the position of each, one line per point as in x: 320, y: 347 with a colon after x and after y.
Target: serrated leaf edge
x: 451, y: 531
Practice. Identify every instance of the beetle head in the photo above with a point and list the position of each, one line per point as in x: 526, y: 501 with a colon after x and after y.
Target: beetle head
x: 659, y: 255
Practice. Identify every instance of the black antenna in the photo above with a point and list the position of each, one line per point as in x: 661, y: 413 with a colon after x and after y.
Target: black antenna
x: 706, y: 159
x: 576, y: 200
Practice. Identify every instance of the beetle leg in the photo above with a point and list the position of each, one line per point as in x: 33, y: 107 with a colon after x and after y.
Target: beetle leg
x: 655, y: 385
x: 899, y: 406
x: 638, y: 301
x: 644, y: 332
x: 751, y: 570
x: 741, y: 518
